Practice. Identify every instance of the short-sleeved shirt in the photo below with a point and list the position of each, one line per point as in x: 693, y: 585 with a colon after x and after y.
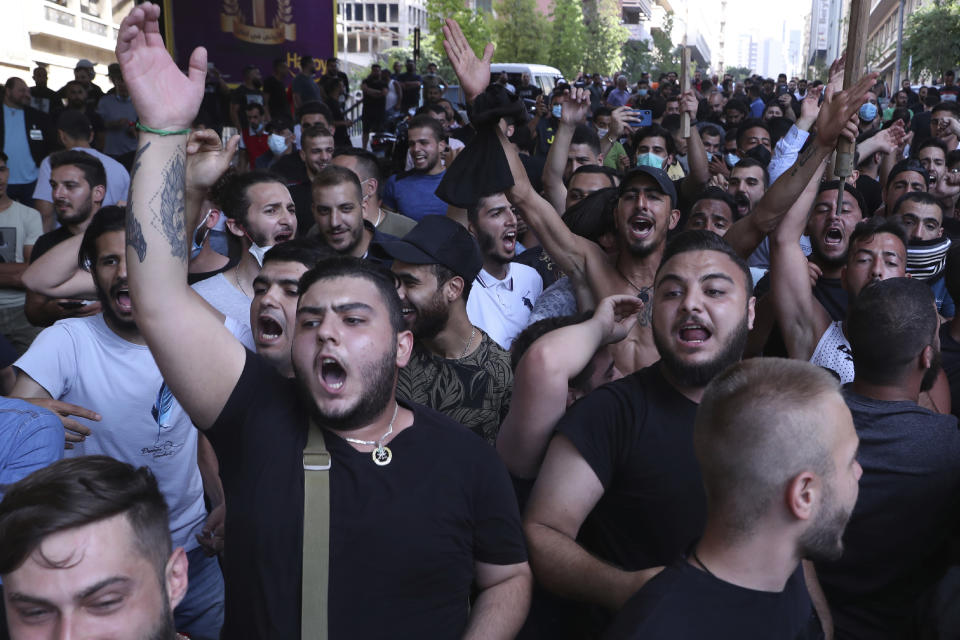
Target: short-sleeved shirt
x: 833, y: 352
x: 502, y: 307
x: 414, y: 194
x: 637, y: 436
x: 44, y: 99
x: 306, y: 88
x: 684, y: 603
x: 82, y: 361
x: 411, y: 97
x: 895, y: 544
x: 49, y: 240
x: 474, y: 390
x: 276, y: 97
x: 225, y: 298
x: 118, y: 178
x: 950, y: 352
x: 404, y: 536
x: 31, y: 438
x: 23, y: 168
x: 20, y: 226
x: 118, y: 141
x: 242, y: 97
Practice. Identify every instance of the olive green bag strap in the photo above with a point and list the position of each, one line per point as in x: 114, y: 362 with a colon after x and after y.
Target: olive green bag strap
x: 316, y: 536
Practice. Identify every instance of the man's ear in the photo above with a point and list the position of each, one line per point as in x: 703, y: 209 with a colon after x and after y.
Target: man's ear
x: 98, y: 193
x: 453, y: 288
x: 175, y: 576
x: 404, y: 348
x: 234, y: 227
x: 804, y: 494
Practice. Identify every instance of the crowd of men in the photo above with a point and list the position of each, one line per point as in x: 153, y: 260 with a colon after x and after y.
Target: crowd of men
x: 635, y: 362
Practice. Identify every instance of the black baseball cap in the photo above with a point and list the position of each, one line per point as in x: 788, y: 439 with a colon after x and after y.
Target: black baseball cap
x: 659, y: 175
x: 437, y: 240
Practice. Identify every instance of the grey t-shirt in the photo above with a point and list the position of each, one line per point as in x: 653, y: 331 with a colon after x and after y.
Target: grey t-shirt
x: 228, y: 300
x: 556, y: 300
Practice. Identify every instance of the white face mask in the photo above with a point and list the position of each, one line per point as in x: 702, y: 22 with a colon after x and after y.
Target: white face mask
x: 258, y: 252
x: 277, y: 143
x: 602, y: 133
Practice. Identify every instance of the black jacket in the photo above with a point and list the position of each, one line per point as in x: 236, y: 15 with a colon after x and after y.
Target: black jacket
x: 44, y: 141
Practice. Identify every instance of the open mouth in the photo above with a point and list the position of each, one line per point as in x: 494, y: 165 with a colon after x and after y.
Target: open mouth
x: 419, y: 158
x: 833, y: 236
x: 122, y: 298
x: 282, y: 237
x: 332, y: 374
x: 510, y: 240
x: 693, y: 333
x: 641, y: 227
x: 742, y: 202
x: 268, y: 330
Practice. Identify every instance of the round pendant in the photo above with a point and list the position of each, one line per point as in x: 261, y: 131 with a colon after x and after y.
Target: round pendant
x: 382, y: 456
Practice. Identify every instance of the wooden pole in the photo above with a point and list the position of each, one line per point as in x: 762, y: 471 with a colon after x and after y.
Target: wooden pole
x: 684, y: 87
x: 852, y: 71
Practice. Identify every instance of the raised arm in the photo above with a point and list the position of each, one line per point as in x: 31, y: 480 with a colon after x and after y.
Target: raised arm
x: 699, y: 176
x: 542, y: 380
x: 58, y: 274
x: 833, y: 119
x: 199, y: 358
x: 574, y: 108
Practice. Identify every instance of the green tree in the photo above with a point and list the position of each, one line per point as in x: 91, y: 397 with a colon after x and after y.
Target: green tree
x: 475, y: 25
x: 637, y: 58
x: 518, y: 32
x: 568, y: 36
x: 739, y: 73
x: 666, y: 56
x: 603, y: 49
x: 932, y: 36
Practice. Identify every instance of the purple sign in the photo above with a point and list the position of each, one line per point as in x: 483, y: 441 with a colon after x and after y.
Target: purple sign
x: 241, y: 32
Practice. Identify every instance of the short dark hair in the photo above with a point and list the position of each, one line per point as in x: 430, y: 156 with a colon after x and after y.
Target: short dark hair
x: 703, y: 240
x: 424, y: 121
x: 305, y: 59
x: 602, y: 111
x: 746, y: 125
x: 444, y: 273
x: 655, y: 130
x: 305, y: 251
x: 366, y: 159
x: 473, y: 211
x: 92, y: 168
x: 868, y: 228
x: 888, y: 324
x: 76, y: 492
x: 334, y: 174
x: 105, y: 220
x: 314, y: 131
x: 74, y: 124
x: 610, y: 172
x: 714, y: 192
x: 952, y: 107
x: 231, y: 193
x: 737, y: 105
x: 522, y: 343
x: 254, y: 105
x: 711, y: 130
x: 921, y: 197
x: 350, y: 267
x: 834, y: 185
x: 929, y: 142
x: 314, y: 106
x: 587, y: 135
x: 746, y: 163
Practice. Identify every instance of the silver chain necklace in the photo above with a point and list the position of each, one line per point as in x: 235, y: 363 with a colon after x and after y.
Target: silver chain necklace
x: 473, y: 332
x: 381, y: 455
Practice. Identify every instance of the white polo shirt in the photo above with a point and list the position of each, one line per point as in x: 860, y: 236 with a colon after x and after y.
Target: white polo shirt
x: 502, y: 307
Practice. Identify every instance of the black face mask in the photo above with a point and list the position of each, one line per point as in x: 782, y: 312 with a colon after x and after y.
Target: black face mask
x: 761, y: 154
x: 257, y: 83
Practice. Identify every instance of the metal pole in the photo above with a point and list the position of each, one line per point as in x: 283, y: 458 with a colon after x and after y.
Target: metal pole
x: 896, y: 74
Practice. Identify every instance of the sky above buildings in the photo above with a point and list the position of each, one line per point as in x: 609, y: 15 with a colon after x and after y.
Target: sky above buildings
x: 762, y: 20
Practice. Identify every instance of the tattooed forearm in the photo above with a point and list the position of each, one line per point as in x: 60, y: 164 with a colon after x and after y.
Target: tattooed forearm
x: 170, y: 220
x: 802, y: 159
x: 135, y: 237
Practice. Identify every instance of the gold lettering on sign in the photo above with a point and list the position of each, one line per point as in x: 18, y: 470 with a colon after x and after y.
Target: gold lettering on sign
x: 232, y: 20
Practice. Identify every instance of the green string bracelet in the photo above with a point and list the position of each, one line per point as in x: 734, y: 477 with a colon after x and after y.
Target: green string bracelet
x: 162, y: 132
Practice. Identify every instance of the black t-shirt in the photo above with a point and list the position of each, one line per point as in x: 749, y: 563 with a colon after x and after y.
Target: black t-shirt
x: 276, y: 94
x: 374, y: 106
x: 411, y: 97
x: 528, y: 92
x: 291, y: 168
x: 895, y: 542
x: 403, y: 538
x: 49, y: 240
x: 637, y: 436
x: 242, y: 96
x: 539, y: 259
x: 950, y: 352
x: 871, y: 192
x: 684, y: 603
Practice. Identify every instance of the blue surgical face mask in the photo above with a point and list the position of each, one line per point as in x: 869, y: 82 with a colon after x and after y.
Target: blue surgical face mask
x: 732, y: 159
x: 195, y: 246
x: 642, y: 92
x: 709, y: 156
x: 556, y: 110
x: 602, y: 133
x: 868, y: 112
x: 650, y: 159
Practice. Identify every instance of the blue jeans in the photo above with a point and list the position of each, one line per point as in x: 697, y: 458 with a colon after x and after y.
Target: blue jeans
x: 200, y: 614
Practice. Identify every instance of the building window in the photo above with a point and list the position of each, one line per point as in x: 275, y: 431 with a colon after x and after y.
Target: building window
x: 347, y: 11
x: 381, y: 13
x: 96, y: 28
x: 371, y: 13
x: 62, y: 3
x: 60, y: 17
x: 91, y: 7
x: 394, y: 13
